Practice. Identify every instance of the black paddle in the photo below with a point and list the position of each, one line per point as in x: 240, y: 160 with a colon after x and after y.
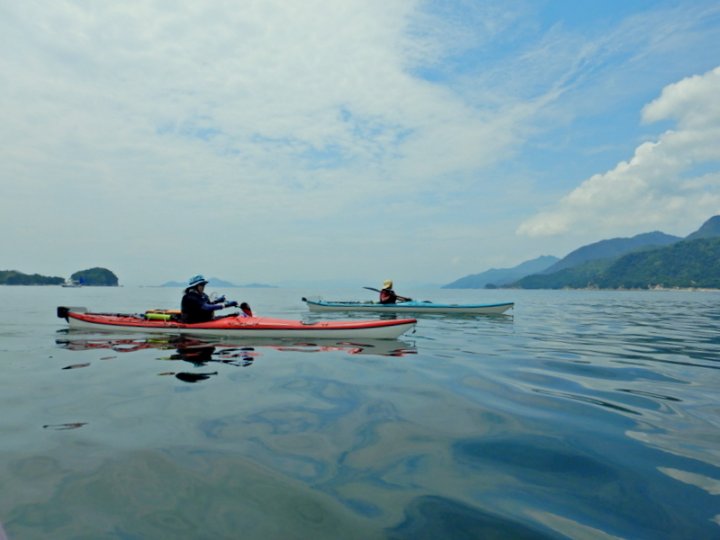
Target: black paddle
x: 368, y: 288
x: 245, y: 307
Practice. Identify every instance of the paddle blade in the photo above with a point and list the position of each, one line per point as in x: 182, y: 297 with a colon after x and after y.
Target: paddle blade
x: 62, y: 311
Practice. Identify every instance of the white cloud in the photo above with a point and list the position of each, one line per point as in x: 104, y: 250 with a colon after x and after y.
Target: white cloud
x: 262, y: 87
x: 689, y: 102
x: 360, y: 131
x: 268, y: 103
x: 660, y: 184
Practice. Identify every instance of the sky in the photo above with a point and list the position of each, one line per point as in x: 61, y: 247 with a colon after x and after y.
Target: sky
x: 349, y: 141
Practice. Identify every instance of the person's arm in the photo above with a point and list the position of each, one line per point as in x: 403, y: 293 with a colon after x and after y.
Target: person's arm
x: 209, y: 306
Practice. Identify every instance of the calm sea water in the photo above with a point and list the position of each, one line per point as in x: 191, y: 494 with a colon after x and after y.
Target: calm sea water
x: 585, y: 414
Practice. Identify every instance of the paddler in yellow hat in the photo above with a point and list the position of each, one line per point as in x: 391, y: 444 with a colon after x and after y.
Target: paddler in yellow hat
x: 388, y: 296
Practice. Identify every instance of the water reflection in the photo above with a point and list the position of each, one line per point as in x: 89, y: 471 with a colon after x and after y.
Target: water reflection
x: 178, y: 494
x: 62, y: 427
x: 196, y: 347
x: 196, y: 352
x: 586, y: 417
x: 203, y: 352
x: 440, y: 517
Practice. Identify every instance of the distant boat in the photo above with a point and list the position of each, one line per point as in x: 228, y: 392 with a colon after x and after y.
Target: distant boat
x: 71, y: 283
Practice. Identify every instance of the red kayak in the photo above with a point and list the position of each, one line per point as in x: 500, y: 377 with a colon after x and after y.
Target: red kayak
x: 237, y: 326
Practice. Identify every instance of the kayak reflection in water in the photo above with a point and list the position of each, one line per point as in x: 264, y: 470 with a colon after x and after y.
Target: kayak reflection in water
x: 201, y: 355
x: 197, y: 307
x: 197, y: 352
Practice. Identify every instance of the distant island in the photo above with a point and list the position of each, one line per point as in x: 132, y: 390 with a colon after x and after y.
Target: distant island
x: 98, y: 277
x: 13, y: 277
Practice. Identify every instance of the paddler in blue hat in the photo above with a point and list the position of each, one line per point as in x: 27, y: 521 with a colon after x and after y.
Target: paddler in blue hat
x: 197, y: 307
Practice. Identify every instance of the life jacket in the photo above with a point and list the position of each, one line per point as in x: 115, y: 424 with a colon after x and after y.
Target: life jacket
x: 388, y: 296
x: 192, y: 307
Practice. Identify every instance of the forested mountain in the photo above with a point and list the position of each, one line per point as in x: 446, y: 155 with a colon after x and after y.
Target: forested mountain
x: 502, y: 276
x: 642, y: 261
x: 689, y: 263
x: 709, y: 229
x: 611, y: 248
x: 693, y: 262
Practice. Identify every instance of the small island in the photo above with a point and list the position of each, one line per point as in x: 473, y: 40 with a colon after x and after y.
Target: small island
x: 99, y: 277
x: 13, y: 277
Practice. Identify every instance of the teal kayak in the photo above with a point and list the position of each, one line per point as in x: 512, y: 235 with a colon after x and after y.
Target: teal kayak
x: 409, y: 307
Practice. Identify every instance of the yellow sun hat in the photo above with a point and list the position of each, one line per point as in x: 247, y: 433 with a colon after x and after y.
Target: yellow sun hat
x: 387, y: 284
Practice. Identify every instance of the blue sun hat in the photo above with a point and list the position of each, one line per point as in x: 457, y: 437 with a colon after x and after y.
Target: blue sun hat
x: 197, y: 280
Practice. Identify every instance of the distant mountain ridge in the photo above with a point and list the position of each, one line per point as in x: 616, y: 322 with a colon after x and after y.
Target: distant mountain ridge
x: 502, y: 276
x: 690, y: 262
x: 653, y: 259
x: 709, y: 229
x: 614, y: 247
x: 217, y: 282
